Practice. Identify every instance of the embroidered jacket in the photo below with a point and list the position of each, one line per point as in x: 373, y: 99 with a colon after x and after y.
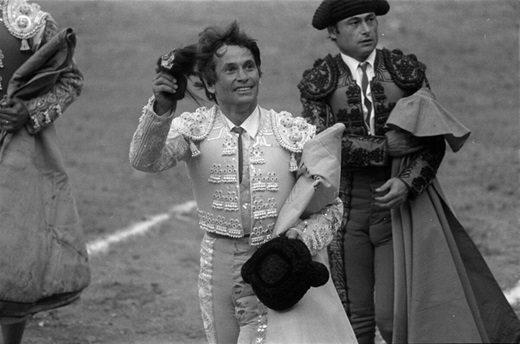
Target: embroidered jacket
x: 32, y: 28
x: 329, y: 94
x: 204, y: 141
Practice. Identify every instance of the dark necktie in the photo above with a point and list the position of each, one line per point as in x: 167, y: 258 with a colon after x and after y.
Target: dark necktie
x: 239, y: 131
x: 364, y: 86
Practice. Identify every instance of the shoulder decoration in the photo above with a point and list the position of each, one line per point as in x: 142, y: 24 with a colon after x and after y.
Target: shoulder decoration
x: 406, y: 71
x: 196, y: 125
x: 23, y: 20
x: 291, y: 133
x: 320, y: 80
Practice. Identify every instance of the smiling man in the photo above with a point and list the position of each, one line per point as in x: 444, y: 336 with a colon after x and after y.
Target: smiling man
x: 359, y: 87
x: 243, y: 162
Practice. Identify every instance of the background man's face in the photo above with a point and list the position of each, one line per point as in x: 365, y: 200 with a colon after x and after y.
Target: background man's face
x: 237, y: 77
x: 356, y: 36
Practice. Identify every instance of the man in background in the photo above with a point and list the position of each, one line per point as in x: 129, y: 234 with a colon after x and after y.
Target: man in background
x: 396, y: 134
x: 359, y: 87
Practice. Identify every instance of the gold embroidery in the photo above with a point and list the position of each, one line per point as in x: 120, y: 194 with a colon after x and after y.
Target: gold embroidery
x: 1, y: 66
x: 291, y: 132
x: 207, y: 252
x: 23, y: 20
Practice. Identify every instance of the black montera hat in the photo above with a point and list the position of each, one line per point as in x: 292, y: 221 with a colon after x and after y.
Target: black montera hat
x: 332, y: 11
x: 281, y: 271
x: 181, y: 64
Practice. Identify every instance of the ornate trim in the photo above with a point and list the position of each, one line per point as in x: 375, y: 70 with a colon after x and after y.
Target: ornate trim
x: 23, y: 20
x: 406, y: 71
x: 291, y: 132
x: 261, y: 332
x: 196, y: 125
x: 207, y: 252
x: 320, y: 80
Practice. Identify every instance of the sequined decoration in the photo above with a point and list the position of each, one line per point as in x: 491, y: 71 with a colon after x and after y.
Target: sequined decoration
x: 260, y: 183
x: 196, y: 125
x: 229, y: 146
x: 23, y: 20
x: 218, y: 224
x: 218, y: 200
x: 261, y: 334
x: 256, y: 156
x: 231, y: 201
x: 1, y: 66
x: 230, y: 174
x: 207, y: 252
x: 259, y: 235
x: 257, y: 182
x: 227, y: 174
x: 264, y: 210
x: 215, y: 175
x: 272, y: 182
x: 228, y: 202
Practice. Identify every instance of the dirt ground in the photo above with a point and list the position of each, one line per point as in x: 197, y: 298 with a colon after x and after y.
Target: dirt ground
x: 135, y: 294
x: 140, y: 293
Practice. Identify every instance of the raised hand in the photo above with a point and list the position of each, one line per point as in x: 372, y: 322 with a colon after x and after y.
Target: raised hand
x: 163, y: 86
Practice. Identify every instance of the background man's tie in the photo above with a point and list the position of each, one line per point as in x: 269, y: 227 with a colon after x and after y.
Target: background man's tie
x: 364, y: 86
x: 239, y: 131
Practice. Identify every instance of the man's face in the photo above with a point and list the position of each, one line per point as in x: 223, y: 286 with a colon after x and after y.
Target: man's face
x: 237, y: 77
x: 356, y: 36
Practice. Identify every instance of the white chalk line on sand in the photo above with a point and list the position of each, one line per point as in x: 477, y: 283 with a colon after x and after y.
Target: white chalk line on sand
x: 513, y: 295
x: 103, y: 244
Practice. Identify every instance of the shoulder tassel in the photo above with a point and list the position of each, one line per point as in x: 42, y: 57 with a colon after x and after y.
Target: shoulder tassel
x: 194, y: 150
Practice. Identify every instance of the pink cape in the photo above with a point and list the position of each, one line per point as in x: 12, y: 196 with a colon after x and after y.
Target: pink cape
x: 319, y: 316
x: 444, y: 290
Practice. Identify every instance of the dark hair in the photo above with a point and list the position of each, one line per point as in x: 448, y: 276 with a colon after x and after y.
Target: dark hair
x: 211, y: 39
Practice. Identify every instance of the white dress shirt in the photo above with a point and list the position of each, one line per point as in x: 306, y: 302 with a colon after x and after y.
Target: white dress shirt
x: 357, y: 73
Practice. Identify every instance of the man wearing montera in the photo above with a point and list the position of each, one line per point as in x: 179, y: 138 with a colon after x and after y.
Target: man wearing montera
x: 400, y: 244
x: 359, y: 87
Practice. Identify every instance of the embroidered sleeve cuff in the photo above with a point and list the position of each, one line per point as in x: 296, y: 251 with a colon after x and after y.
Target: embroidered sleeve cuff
x: 318, y: 230
x: 154, y: 147
x: 423, y: 166
x: 39, y: 120
x: 148, y: 112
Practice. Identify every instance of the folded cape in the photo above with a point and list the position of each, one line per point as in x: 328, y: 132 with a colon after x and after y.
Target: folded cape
x: 421, y: 115
x: 319, y: 316
x: 317, y: 183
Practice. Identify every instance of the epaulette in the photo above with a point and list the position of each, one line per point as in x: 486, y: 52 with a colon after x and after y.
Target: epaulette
x: 320, y: 80
x: 406, y: 71
x: 291, y: 132
x: 196, y: 125
x: 23, y: 20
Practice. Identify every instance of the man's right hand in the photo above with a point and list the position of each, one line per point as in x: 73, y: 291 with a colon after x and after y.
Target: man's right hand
x: 163, y: 85
x: 400, y: 143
